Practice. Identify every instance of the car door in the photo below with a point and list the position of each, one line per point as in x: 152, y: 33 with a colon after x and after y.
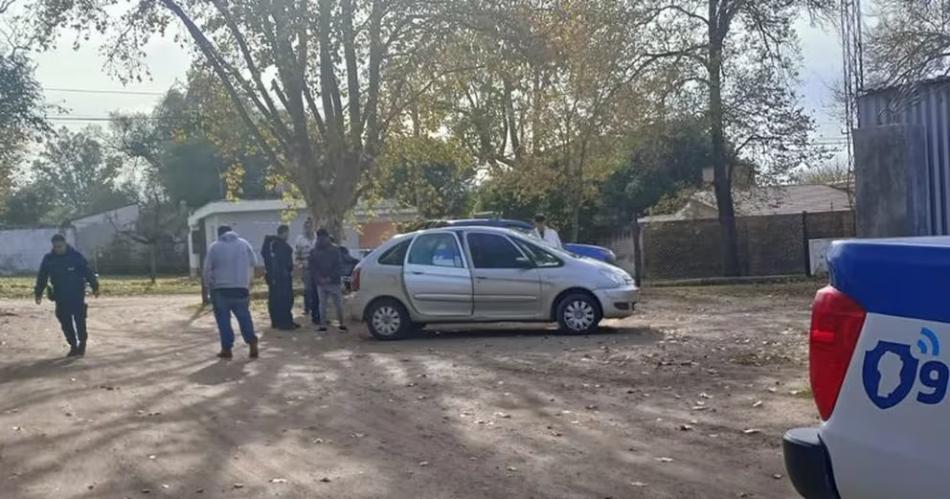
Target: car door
x: 438, y: 281
x: 506, y: 284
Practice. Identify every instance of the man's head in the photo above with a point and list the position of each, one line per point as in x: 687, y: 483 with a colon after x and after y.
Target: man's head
x: 540, y: 221
x: 323, y: 236
x: 308, y: 227
x: 224, y: 229
x: 59, y: 244
x: 283, y: 232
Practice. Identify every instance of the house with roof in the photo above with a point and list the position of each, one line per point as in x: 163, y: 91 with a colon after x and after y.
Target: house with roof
x: 764, y: 201
x: 368, y: 225
x: 781, y: 230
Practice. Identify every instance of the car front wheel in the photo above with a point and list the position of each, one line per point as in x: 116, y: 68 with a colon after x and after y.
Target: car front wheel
x: 579, y: 314
x: 388, y: 320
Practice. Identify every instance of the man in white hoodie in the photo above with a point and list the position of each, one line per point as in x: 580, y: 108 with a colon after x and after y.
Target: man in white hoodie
x: 228, y: 271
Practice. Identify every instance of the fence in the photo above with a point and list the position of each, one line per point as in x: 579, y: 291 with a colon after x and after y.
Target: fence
x: 768, y: 245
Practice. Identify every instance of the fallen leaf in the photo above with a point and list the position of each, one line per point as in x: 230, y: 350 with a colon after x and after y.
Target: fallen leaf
x: 423, y: 463
x: 686, y: 427
x: 665, y: 459
x: 757, y: 404
x: 777, y: 476
x: 239, y: 486
x: 512, y: 469
x: 325, y: 480
x: 278, y: 480
x: 638, y: 484
x: 752, y: 431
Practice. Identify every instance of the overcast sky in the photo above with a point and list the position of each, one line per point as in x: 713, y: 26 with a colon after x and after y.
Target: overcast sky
x: 67, y: 69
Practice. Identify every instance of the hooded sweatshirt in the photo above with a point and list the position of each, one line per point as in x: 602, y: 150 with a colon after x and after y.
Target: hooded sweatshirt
x: 230, y: 262
x: 326, y: 263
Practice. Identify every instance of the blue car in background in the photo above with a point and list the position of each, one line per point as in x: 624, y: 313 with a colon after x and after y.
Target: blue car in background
x: 588, y: 250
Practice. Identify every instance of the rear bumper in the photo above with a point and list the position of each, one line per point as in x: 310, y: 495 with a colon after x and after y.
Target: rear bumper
x: 619, y: 302
x: 808, y: 464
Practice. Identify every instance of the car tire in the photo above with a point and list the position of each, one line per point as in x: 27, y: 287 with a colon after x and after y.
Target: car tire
x: 579, y: 313
x: 388, y: 320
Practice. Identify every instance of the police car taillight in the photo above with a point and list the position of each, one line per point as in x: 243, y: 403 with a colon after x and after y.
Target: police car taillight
x: 836, y: 323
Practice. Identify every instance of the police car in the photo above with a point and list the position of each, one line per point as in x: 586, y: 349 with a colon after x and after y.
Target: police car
x: 879, y: 349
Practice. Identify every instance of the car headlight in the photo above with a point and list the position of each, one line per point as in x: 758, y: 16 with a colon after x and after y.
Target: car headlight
x: 617, y: 278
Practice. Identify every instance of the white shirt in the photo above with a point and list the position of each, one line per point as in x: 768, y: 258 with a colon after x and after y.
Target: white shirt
x: 302, y: 248
x: 550, y: 236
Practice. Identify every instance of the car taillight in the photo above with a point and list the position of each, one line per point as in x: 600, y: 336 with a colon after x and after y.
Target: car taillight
x: 355, y: 283
x: 836, y: 322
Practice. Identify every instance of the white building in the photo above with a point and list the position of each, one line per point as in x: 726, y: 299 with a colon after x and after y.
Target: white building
x: 255, y: 219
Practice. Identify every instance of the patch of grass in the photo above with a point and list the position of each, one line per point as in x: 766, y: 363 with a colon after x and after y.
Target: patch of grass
x: 22, y: 287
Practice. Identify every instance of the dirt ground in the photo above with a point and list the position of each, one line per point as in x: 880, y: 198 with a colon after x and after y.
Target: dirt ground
x: 687, y: 399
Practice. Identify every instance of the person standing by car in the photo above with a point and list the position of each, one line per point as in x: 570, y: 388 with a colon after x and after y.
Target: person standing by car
x: 279, y: 267
x: 228, y: 271
x: 547, y: 234
x: 326, y: 267
x: 302, y: 248
x: 68, y: 272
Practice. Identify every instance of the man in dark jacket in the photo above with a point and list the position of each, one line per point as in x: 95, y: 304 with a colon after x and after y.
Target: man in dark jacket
x: 326, y: 267
x: 67, y: 271
x: 279, y: 267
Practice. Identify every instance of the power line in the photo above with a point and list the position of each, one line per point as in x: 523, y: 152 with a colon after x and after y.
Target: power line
x: 94, y: 91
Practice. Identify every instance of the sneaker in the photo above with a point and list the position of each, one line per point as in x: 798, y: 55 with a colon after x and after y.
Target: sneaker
x: 254, y: 353
x: 225, y: 354
x: 73, y: 352
x: 343, y: 328
x: 322, y: 329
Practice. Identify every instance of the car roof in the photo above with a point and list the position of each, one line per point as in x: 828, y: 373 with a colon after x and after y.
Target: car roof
x: 488, y: 222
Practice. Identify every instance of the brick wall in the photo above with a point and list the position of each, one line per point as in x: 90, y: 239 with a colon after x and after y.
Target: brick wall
x: 769, y: 245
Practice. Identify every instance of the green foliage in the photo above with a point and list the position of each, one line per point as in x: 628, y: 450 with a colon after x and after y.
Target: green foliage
x: 435, y: 176
x: 21, y: 115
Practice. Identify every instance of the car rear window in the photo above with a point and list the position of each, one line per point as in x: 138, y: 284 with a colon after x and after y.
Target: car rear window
x: 395, y: 255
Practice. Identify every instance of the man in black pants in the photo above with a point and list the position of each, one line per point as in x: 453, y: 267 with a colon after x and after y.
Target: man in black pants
x: 279, y: 264
x: 68, y: 272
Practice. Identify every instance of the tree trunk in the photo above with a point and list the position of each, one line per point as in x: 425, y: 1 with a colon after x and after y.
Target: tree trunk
x: 152, y: 263
x: 721, y: 174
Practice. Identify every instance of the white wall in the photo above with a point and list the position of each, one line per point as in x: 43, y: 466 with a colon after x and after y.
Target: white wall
x: 255, y: 225
x: 22, y: 250
x: 93, y: 233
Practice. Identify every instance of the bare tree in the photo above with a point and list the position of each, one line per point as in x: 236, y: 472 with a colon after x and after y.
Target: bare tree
x: 745, y: 56
x: 910, y: 42
x: 318, y: 82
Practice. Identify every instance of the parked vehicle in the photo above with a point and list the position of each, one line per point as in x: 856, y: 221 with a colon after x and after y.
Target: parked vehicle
x: 484, y: 274
x: 588, y: 250
x: 878, y: 374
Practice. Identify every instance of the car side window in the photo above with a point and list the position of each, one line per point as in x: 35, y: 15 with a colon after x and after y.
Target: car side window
x: 491, y: 251
x: 436, y: 250
x: 541, y: 257
x: 396, y: 255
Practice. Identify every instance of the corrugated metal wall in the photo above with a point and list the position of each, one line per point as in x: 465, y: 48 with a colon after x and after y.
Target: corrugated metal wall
x: 929, y: 107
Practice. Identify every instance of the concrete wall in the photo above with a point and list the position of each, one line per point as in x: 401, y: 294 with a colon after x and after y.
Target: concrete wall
x: 892, y: 197
x: 22, y: 250
x: 769, y: 245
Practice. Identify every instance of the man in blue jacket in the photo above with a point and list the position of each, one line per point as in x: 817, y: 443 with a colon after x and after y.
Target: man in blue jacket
x: 67, y: 271
x: 229, y: 268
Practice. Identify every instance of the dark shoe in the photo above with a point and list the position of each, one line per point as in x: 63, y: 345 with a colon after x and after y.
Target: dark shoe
x: 225, y: 354
x: 73, y: 352
x: 343, y: 328
x: 295, y: 326
x: 322, y: 329
x: 254, y: 353
x: 81, y: 351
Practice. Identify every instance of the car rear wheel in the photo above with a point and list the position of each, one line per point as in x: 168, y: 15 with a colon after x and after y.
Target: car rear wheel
x: 388, y: 320
x: 579, y: 314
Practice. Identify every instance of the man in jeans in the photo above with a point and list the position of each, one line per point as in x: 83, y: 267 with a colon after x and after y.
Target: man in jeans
x: 228, y: 271
x: 326, y: 267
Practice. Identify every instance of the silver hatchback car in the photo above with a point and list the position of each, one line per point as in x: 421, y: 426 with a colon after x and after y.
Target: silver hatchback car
x: 484, y: 274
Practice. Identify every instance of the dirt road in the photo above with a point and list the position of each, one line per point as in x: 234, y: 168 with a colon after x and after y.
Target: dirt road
x: 688, y: 399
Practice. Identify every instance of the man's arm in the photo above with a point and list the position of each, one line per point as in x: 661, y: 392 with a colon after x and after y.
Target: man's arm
x: 252, y: 258
x: 556, y: 239
x: 206, y: 271
x: 42, y: 278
